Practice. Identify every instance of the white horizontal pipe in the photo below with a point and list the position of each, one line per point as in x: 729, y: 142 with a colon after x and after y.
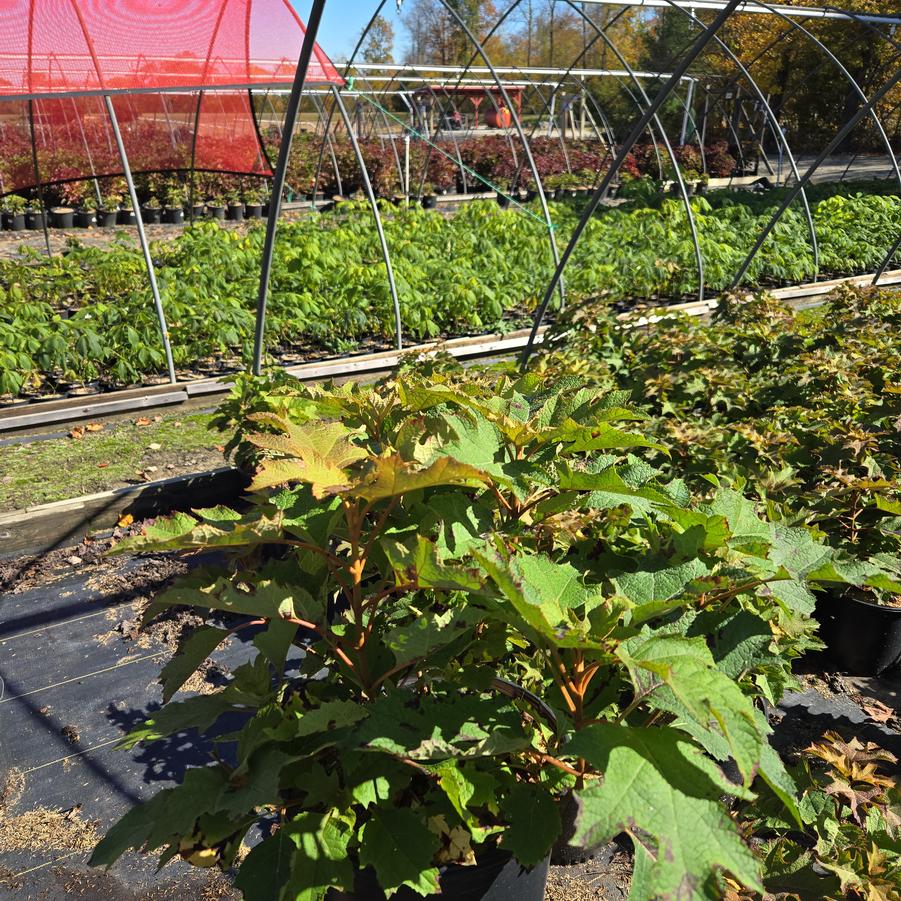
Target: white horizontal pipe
x: 502, y: 70
x: 797, y: 12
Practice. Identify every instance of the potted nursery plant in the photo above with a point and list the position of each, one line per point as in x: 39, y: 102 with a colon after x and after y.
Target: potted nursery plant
x: 196, y: 210
x: 14, y: 206
x: 84, y: 216
x: 215, y: 207
x: 35, y: 218
x: 570, y: 184
x: 429, y: 200
x: 126, y: 215
x: 253, y: 203
x: 553, y: 186
x: 152, y: 211
x: 62, y: 217
x: 235, y: 207
x: 108, y: 213
x: 72, y: 195
x: 501, y: 614
x: 173, y: 209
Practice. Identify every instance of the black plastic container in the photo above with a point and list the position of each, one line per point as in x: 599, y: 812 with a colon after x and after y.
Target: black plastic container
x: 173, y: 215
x: 863, y: 638
x: 429, y: 202
x: 62, y: 217
x: 84, y: 218
x: 198, y: 210
x: 236, y: 212
x: 107, y: 218
x: 152, y: 215
x: 496, y: 877
x: 216, y: 212
x: 34, y: 219
x: 126, y: 217
x: 253, y: 210
x: 15, y: 222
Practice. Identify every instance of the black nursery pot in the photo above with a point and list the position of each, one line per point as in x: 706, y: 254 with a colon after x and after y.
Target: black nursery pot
x: 84, y: 219
x: 62, y: 218
x: 236, y: 212
x: 429, y: 202
x: 863, y: 638
x: 15, y: 222
x: 173, y: 215
x: 107, y: 218
x: 34, y: 219
x: 152, y: 215
x: 253, y: 210
x: 126, y: 217
x: 216, y: 212
x: 495, y: 877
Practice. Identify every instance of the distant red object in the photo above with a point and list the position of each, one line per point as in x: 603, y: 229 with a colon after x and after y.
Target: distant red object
x: 476, y: 94
x: 499, y: 118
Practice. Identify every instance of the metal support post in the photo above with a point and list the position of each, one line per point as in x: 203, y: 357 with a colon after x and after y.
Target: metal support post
x: 407, y: 167
x: 278, y: 180
x: 686, y: 115
x: 37, y: 177
x: 142, y: 237
x: 367, y: 186
x: 601, y: 190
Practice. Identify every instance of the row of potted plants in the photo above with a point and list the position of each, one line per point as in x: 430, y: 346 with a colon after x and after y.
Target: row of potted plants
x: 478, y: 164
x: 329, y: 290
x: 470, y: 166
x: 18, y: 213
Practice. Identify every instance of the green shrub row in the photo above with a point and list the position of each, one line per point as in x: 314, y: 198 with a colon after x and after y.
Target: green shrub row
x: 87, y: 315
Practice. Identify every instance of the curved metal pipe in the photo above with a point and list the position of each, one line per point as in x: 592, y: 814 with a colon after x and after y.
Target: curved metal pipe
x: 278, y: 181
x: 637, y: 130
x: 142, y: 237
x: 843, y: 132
x: 680, y: 181
x: 522, y: 137
x: 367, y: 185
x: 777, y: 133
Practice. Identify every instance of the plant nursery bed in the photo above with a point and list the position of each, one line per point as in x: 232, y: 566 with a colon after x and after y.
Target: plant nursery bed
x: 78, y: 673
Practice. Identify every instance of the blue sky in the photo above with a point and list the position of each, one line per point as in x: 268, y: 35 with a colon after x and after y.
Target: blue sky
x: 342, y: 22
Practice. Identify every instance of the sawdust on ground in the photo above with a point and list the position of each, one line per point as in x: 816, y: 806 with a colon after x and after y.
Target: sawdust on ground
x: 591, y: 880
x: 42, y: 829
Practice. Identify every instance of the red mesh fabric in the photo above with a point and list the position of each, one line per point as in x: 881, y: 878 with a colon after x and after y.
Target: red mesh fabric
x: 73, y: 47
x: 60, y: 46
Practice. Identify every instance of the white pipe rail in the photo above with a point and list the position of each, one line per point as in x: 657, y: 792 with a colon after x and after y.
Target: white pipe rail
x: 797, y: 12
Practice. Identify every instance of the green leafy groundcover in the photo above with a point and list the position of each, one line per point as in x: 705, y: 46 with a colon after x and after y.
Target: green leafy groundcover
x: 803, y: 408
x: 424, y: 539
x: 88, y: 315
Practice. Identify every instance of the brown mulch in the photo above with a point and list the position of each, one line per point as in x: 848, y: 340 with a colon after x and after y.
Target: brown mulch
x: 591, y: 880
x: 42, y: 829
x: 11, y: 789
x: 93, y: 884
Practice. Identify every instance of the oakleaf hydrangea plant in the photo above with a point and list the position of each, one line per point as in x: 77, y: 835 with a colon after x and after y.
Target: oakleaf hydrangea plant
x: 473, y: 604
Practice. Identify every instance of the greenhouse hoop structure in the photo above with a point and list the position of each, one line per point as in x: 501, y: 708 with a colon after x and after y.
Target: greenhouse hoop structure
x: 88, y: 100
